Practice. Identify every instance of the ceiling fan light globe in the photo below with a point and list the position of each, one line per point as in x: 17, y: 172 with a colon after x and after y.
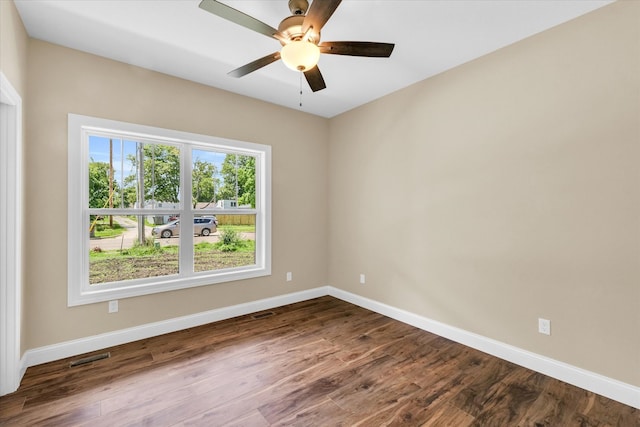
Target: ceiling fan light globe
x: 300, y: 55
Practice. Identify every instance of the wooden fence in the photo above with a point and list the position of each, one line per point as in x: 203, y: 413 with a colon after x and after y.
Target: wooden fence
x: 224, y: 219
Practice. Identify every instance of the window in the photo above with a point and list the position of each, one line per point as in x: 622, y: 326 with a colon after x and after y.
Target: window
x: 153, y: 210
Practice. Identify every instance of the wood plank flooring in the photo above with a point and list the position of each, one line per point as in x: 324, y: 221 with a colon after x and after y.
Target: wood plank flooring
x: 322, y: 362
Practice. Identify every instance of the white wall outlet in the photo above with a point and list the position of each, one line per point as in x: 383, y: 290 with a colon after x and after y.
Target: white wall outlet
x: 113, y: 306
x: 362, y: 279
x: 289, y: 276
x: 544, y: 326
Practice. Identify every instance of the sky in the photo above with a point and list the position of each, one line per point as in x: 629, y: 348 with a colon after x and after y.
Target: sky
x: 122, y: 149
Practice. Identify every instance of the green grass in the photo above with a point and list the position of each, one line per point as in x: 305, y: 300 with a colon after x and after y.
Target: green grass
x: 146, y: 220
x: 240, y: 228
x: 243, y: 246
x: 134, y: 252
x: 151, y: 250
x: 204, y: 246
x: 102, y: 229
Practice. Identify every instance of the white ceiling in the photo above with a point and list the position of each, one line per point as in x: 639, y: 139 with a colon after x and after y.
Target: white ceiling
x: 176, y: 37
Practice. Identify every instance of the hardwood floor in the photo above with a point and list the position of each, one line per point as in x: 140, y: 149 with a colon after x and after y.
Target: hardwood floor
x: 322, y: 362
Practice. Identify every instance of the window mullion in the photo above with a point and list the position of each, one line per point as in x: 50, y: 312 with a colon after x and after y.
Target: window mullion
x: 186, y: 215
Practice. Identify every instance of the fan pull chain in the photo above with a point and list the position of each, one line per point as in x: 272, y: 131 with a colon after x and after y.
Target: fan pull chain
x: 300, y: 89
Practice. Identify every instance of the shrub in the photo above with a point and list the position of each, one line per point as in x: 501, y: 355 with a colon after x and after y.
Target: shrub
x: 230, y: 240
x: 229, y: 236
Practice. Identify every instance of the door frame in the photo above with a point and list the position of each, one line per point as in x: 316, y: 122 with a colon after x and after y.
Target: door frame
x: 11, y: 367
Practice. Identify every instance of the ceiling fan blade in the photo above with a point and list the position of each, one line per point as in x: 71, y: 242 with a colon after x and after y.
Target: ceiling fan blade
x: 240, y: 18
x: 370, y: 49
x: 318, y: 14
x: 255, y: 65
x: 314, y: 78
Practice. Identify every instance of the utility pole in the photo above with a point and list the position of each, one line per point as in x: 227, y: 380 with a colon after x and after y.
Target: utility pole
x: 140, y: 155
x: 236, y: 157
x: 110, y: 181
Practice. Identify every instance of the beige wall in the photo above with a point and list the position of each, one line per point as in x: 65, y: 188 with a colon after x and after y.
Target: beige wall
x: 63, y: 81
x: 13, y: 46
x: 505, y: 190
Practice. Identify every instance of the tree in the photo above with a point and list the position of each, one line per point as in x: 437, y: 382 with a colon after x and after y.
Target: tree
x: 99, y: 185
x: 247, y: 181
x: 161, y: 173
x: 203, y: 182
x: 239, y: 175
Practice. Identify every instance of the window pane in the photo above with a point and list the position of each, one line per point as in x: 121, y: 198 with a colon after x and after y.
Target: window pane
x: 161, y: 175
x: 205, y: 178
x: 108, y: 165
x: 117, y: 253
x: 233, y: 245
x: 116, y: 181
x: 224, y: 181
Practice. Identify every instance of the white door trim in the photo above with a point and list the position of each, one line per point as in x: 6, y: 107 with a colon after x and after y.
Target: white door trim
x: 11, y: 370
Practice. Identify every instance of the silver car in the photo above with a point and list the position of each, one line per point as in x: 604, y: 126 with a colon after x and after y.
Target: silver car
x: 202, y: 226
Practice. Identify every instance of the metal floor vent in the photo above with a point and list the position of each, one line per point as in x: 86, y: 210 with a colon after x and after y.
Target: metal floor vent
x: 89, y: 359
x: 263, y: 315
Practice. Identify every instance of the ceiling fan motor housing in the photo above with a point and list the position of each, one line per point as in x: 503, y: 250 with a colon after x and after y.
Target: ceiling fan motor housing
x: 298, y: 7
x: 291, y: 27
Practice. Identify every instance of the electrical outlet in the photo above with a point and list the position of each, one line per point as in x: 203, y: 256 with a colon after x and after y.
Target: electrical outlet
x: 289, y: 276
x: 544, y: 326
x: 113, y: 306
x: 362, y: 279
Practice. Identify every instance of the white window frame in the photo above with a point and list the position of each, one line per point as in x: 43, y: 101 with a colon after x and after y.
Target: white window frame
x: 79, y: 290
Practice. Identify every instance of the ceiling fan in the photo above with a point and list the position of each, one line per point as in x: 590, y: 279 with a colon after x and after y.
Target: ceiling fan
x: 299, y: 35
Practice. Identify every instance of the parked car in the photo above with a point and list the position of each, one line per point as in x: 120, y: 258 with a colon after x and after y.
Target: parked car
x: 202, y: 226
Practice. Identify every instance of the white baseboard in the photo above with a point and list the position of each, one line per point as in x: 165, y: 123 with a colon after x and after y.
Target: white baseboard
x: 605, y: 386
x: 65, y: 349
x: 608, y: 387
